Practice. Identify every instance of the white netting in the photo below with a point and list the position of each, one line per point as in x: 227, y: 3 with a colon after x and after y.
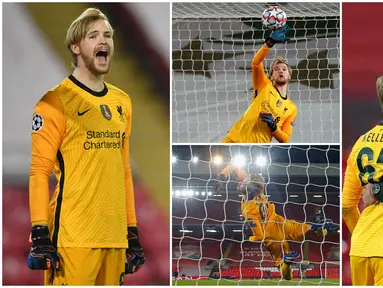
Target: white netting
x: 213, y: 45
x: 210, y: 237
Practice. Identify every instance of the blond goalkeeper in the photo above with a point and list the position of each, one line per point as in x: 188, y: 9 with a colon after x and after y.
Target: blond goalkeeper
x: 271, y: 113
x: 267, y: 226
x: 365, y: 170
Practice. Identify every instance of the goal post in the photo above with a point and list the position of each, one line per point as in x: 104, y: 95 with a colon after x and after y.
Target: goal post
x: 211, y: 240
x: 213, y: 46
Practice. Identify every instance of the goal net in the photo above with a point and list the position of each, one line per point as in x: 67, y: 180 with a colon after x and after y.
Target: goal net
x: 210, y: 237
x: 213, y: 46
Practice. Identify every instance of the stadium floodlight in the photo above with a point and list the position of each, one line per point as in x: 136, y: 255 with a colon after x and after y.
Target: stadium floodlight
x: 217, y: 160
x: 260, y: 161
x: 186, y: 231
x: 178, y: 193
x: 190, y: 193
x: 237, y: 230
x: 239, y: 161
x: 211, y: 230
x: 294, y: 196
x: 317, y: 196
x: 196, y: 193
x: 195, y: 159
x: 209, y: 193
x: 184, y: 192
x: 174, y: 159
x: 203, y: 193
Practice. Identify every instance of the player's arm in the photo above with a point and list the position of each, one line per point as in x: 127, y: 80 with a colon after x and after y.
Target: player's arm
x: 258, y: 70
x: 259, y: 77
x: 283, y: 134
x: 46, y: 140
x: 48, y: 129
x: 256, y: 229
x: 351, y: 194
x: 223, y: 176
x: 135, y: 257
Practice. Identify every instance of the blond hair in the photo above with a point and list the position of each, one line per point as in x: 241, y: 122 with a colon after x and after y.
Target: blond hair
x: 80, y: 27
x: 379, y: 88
x: 279, y: 60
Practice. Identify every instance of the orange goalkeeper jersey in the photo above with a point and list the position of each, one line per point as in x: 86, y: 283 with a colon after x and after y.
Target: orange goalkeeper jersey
x: 83, y: 136
x: 364, y: 165
x: 249, y: 128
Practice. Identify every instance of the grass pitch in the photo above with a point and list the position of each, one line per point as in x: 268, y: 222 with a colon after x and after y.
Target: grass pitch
x: 263, y: 282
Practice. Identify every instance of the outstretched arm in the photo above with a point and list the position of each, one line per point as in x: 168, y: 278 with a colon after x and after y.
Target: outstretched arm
x: 230, y: 169
x: 258, y: 70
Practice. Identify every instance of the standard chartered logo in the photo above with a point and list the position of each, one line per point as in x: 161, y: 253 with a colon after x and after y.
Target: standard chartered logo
x: 104, y: 139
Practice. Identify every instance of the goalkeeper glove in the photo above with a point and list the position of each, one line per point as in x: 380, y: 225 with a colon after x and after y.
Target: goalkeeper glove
x: 219, y: 182
x: 377, y: 191
x: 269, y: 120
x: 278, y: 36
x: 43, y: 255
x: 325, y: 224
x: 135, y: 256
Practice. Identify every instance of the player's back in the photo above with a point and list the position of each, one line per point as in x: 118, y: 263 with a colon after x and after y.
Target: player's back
x: 259, y: 208
x: 88, y: 208
x: 366, y: 159
x: 249, y: 128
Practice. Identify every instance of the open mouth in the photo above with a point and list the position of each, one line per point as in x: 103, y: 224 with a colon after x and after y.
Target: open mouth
x: 102, y: 55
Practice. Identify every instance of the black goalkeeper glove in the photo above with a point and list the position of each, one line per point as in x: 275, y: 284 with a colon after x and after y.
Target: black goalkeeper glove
x: 269, y: 120
x: 135, y: 256
x: 43, y: 255
x: 377, y: 191
x: 278, y: 36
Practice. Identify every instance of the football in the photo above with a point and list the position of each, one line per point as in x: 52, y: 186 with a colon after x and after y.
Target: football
x: 274, y: 18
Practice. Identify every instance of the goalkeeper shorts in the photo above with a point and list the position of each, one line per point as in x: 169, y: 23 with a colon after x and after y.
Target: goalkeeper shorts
x: 86, y: 266
x: 366, y: 271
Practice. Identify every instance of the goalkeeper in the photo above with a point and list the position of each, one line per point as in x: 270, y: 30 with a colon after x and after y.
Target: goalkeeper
x: 267, y: 226
x: 86, y: 234
x: 364, y: 179
x: 271, y: 113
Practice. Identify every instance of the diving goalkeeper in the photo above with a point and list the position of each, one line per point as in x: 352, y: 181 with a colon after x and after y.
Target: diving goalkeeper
x: 267, y: 226
x: 271, y: 113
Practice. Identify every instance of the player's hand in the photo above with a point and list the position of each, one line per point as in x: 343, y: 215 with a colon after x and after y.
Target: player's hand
x: 269, y: 120
x: 221, y: 179
x: 135, y: 257
x: 43, y: 255
x: 324, y: 226
x: 278, y: 36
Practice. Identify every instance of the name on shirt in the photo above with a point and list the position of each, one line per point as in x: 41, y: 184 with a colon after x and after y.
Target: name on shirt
x: 373, y: 137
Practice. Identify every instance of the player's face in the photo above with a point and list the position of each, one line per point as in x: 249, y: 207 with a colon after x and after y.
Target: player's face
x: 97, y: 47
x: 281, y: 75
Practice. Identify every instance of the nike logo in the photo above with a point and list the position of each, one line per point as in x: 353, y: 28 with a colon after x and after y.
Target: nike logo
x: 82, y: 113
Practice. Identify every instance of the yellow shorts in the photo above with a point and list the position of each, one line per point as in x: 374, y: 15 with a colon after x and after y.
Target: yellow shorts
x: 366, y: 271
x: 85, y: 266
